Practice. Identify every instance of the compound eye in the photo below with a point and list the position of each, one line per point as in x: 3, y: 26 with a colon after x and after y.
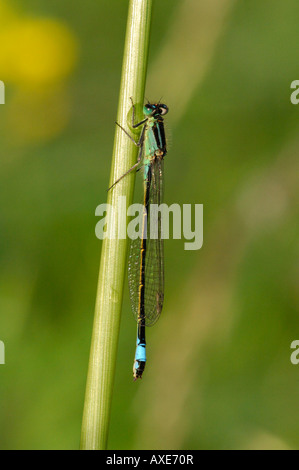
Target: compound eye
x: 163, y: 109
x: 147, y: 109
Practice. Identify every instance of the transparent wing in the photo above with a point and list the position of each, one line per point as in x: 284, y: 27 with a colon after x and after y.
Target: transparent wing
x: 154, y: 259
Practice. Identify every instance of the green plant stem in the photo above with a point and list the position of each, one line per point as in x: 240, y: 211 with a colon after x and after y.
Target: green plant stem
x: 102, y: 362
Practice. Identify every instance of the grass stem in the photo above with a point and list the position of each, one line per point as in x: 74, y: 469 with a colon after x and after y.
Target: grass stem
x: 103, y: 352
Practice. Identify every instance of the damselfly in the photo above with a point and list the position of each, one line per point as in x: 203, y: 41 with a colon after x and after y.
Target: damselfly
x: 146, y: 263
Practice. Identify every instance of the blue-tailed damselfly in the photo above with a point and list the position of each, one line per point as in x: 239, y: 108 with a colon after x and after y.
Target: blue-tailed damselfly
x: 146, y: 258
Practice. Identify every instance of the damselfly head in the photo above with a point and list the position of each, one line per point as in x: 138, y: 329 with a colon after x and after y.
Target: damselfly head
x: 156, y: 109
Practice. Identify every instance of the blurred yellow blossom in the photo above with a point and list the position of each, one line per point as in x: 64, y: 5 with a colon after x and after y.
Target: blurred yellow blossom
x: 37, y: 55
x: 36, y: 51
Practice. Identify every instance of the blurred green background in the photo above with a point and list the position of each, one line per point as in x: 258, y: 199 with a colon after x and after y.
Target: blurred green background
x: 219, y: 374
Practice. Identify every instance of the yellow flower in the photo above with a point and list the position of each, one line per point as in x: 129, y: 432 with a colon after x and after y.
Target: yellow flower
x: 36, y: 51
